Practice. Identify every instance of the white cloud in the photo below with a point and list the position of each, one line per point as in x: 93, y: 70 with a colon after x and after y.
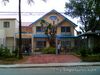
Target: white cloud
x: 38, y: 6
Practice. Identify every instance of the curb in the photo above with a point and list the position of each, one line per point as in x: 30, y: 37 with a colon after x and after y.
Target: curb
x: 51, y: 65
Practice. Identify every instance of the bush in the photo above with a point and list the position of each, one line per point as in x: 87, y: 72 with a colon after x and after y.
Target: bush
x: 5, y: 52
x: 1, y: 51
x: 91, y: 58
x: 84, y: 51
x: 49, y: 50
x: 96, y: 49
x: 75, y: 50
x: 15, y: 52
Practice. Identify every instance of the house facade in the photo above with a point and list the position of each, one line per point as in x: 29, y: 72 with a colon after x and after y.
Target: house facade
x: 34, y: 35
x: 8, y: 27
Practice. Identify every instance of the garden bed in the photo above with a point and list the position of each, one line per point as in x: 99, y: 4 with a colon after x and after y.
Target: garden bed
x: 8, y: 61
x: 91, y: 58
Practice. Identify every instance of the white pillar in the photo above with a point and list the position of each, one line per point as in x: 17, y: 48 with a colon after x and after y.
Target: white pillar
x: 14, y: 41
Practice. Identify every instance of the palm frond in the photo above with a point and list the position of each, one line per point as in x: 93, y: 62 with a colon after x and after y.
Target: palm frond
x: 30, y: 1
x: 44, y: 0
x: 5, y: 1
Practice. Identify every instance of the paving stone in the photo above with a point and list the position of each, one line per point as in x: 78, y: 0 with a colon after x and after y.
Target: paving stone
x: 50, y: 58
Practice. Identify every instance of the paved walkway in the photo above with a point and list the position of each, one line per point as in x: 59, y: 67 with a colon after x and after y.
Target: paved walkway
x: 49, y: 58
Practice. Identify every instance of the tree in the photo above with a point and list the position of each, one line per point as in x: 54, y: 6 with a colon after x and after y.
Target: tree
x: 87, y: 10
x: 50, y: 31
x: 20, y: 29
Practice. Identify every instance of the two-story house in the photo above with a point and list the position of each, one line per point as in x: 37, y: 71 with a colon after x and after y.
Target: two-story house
x: 8, y: 27
x: 38, y: 39
x: 64, y: 30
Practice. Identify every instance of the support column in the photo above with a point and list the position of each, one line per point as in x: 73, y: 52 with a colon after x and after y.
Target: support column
x: 14, y: 41
x: 72, y: 42
x: 47, y: 44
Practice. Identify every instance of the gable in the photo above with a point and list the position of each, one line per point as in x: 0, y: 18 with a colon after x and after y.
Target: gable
x: 57, y: 18
x: 60, y: 18
x: 65, y: 23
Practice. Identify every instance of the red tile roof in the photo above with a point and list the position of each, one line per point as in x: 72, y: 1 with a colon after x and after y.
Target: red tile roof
x: 27, y: 29
x: 26, y: 23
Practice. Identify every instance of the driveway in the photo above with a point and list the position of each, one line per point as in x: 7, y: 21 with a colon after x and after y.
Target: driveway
x: 49, y: 58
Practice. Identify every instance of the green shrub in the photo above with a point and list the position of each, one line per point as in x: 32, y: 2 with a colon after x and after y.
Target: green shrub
x: 96, y: 49
x: 15, y: 52
x: 84, y: 52
x: 1, y: 51
x: 91, y: 58
x: 5, y: 52
x: 49, y: 50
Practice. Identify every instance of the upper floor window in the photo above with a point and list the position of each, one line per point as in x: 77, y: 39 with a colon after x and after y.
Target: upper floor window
x: 38, y: 29
x: 6, y: 24
x: 65, y: 29
x: 53, y: 18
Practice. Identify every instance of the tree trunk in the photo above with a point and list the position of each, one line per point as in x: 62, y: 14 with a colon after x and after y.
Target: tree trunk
x: 20, y: 37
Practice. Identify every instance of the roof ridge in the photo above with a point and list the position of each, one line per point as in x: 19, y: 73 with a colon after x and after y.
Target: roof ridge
x: 53, y: 10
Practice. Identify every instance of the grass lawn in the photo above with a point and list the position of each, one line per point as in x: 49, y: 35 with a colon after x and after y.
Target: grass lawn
x: 91, y: 58
x: 12, y: 60
x: 8, y: 61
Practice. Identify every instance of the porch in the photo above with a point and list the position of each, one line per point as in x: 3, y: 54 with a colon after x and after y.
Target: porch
x: 39, y: 42
x: 26, y: 42
x: 67, y: 42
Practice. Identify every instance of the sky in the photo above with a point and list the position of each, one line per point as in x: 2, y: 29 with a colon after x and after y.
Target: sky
x: 38, y: 9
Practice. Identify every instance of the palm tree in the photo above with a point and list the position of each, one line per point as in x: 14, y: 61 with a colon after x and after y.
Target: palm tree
x: 20, y: 37
x: 50, y: 30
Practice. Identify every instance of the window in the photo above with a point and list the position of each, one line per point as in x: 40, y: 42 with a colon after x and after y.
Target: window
x: 38, y: 29
x: 6, y: 24
x: 65, y: 29
x: 53, y: 18
x: 40, y: 44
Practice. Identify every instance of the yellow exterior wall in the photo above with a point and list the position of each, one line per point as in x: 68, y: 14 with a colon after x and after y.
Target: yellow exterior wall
x: 46, y: 18
x: 34, y: 28
x: 65, y: 24
x: 59, y: 18
x: 58, y: 30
